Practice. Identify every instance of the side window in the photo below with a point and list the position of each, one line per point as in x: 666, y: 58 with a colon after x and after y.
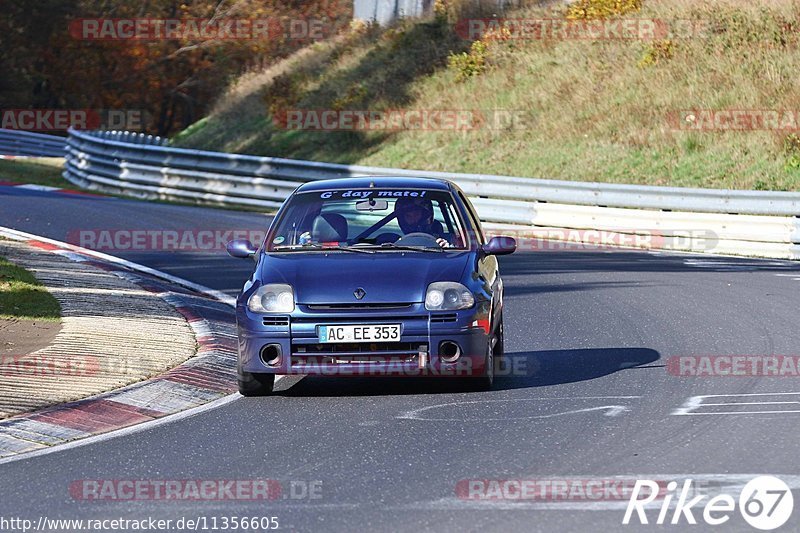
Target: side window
x: 453, y: 221
x: 438, y: 215
x: 473, y: 217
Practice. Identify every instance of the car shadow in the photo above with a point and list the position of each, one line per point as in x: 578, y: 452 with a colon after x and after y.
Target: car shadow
x: 558, y: 367
x: 518, y: 370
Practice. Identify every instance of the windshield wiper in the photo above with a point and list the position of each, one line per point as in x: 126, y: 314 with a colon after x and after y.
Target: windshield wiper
x: 394, y: 246
x: 318, y: 246
x: 358, y: 249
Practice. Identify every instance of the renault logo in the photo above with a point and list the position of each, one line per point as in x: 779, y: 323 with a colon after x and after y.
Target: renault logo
x: 359, y: 293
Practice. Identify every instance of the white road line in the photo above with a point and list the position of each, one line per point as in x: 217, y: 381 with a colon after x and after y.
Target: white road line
x: 694, y: 403
x: 739, y: 413
x: 611, y: 410
x: 750, y: 403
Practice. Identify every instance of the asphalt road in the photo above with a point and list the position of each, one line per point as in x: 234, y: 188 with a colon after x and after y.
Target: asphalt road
x: 591, y: 333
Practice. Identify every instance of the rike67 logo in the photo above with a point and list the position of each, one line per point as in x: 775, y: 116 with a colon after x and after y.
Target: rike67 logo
x: 765, y: 503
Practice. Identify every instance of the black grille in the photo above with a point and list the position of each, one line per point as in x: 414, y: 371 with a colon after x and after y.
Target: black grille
x: 319, y: 360
x: 275, y: 321
x: 360, y: 347
x: 449, y: 317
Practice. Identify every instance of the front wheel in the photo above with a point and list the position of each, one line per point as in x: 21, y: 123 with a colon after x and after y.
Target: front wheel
x: 484, y: 382
x: 500, y: 344
x: 251, y: 384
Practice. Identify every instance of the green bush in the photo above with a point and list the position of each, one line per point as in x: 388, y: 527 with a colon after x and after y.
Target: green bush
x: 468, y: 64
x: 791, y: 145
x: 600, y: 9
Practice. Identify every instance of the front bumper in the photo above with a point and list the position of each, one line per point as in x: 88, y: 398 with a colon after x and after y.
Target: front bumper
x: 416, y: 354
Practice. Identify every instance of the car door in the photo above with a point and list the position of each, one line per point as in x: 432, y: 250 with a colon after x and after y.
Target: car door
x: 487, y: 265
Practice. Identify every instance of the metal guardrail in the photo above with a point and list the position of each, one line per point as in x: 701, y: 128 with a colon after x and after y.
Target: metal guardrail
x: 750, y: 222
x: 130, y: 137
x: 25, y: 143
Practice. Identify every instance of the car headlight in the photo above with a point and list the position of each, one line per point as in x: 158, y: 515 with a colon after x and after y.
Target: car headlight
x: 448, y: 296
x: 272, y: 298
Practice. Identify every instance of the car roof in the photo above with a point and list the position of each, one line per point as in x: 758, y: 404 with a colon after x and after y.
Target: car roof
x: 377, y: 182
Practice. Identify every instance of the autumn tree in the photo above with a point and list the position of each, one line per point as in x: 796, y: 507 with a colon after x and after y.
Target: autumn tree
x: 50, y: 61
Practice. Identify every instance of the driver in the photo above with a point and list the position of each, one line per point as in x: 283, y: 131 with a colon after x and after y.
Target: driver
x: 415, y: 215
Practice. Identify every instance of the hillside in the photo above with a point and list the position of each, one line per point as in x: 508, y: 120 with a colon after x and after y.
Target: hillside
x: 713, y: 104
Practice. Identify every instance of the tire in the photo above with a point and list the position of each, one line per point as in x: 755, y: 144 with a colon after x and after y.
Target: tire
x: 500, y: 346
x: 484, y: 382
x: 255, y: 384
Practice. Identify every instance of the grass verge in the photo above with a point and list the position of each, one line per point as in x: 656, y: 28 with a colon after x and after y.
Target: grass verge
x: 44, y: 171
x: 607, y: 110
x: 23, y: 297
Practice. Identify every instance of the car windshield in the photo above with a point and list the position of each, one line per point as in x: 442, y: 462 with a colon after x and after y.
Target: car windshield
x: 377, y: 219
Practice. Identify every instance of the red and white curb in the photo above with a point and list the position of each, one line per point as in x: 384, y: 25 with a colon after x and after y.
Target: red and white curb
x: 47, y: 188
x: 209, y: 376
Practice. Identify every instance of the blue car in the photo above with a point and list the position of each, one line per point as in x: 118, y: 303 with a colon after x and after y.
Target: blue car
x: 373, y: 276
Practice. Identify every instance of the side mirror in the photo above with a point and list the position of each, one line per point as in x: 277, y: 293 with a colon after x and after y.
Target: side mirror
x: 500, y: 246
x: 241, y: 249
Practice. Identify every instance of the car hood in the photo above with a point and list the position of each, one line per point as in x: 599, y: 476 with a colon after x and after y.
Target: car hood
x: 385, y: 277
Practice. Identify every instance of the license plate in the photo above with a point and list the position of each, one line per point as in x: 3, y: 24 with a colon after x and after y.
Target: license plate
x: 364, y: 333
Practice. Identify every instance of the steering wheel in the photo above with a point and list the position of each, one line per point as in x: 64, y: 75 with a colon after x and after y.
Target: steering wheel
x: 386, y: 237
x: 418, y: 238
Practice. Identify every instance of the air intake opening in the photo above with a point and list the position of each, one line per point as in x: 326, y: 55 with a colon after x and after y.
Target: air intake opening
x: 275, y: 320
x: 271, y: 354
x: 449, y: 351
